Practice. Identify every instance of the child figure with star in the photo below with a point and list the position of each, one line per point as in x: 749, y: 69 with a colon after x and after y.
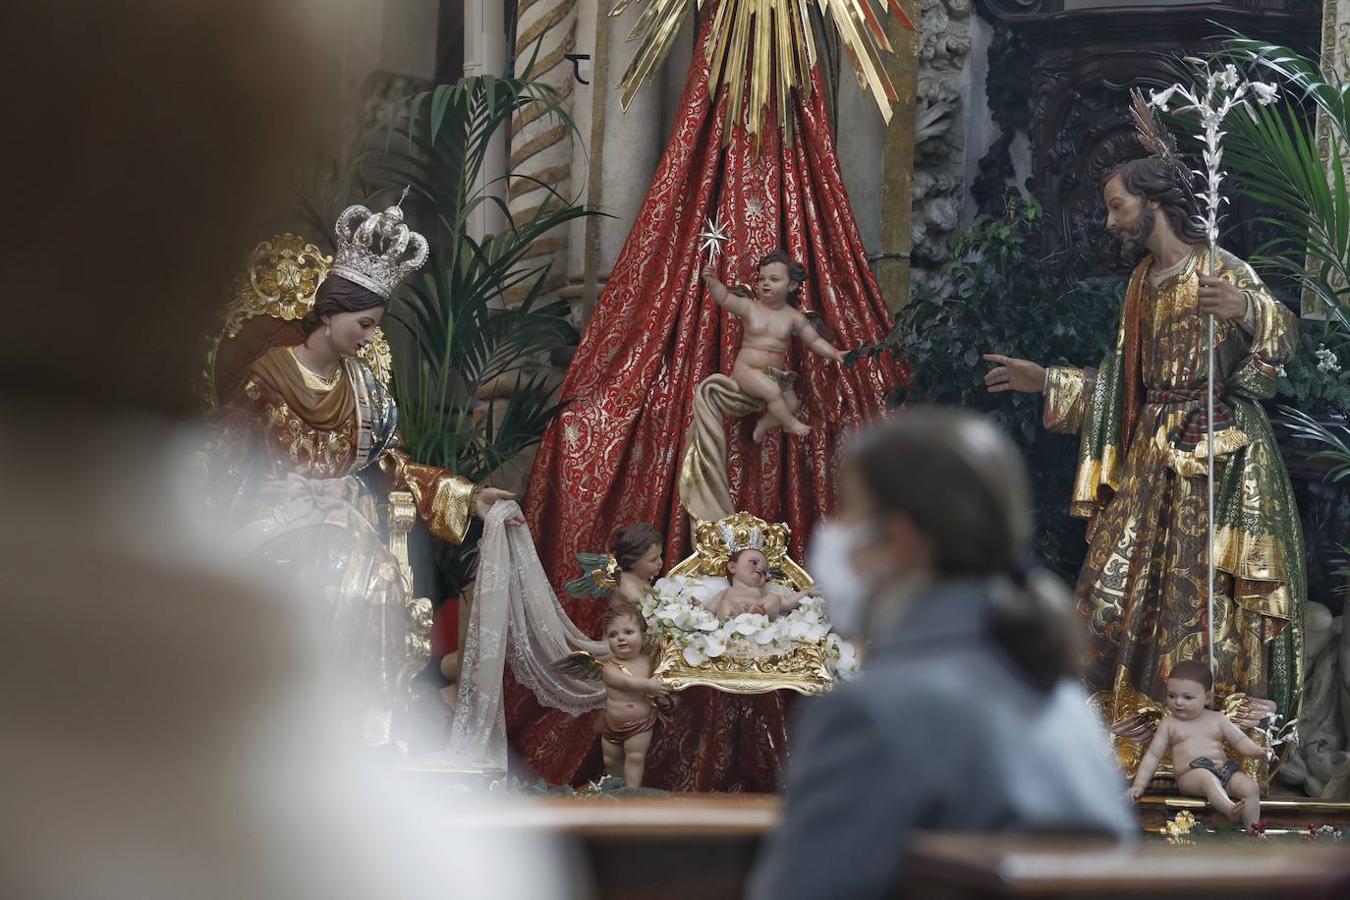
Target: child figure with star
x: 771, y: 319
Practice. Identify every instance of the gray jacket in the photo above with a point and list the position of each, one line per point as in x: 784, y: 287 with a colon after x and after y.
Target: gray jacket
x: 939, y: 733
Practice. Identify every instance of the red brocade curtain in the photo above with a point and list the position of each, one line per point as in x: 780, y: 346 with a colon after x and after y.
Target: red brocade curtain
x: 611, y: 457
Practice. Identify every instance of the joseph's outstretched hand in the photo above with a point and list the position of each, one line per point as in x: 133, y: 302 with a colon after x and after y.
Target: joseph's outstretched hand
x: 1021, y: 375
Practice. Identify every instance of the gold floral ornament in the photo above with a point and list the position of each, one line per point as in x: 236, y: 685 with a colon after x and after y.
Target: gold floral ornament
x: 279, y: 281
x: 773, y: 40
x: 1179, y: 828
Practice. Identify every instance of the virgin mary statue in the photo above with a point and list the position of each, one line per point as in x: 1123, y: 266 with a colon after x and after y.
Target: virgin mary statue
x: 307, y: 443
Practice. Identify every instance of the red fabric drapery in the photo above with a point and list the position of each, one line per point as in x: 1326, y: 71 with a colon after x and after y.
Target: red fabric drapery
x: 612, y: 456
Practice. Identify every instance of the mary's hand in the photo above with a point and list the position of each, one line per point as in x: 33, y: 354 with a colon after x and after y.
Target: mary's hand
x: 487, y: 497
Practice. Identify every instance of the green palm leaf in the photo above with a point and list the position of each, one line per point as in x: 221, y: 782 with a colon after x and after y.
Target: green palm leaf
x: 1274, y: 151
x: 453, y: 332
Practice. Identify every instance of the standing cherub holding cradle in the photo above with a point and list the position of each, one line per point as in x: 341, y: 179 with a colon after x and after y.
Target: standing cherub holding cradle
x: 634, y: 699
x: 623, y: 576
x: 771, y: 320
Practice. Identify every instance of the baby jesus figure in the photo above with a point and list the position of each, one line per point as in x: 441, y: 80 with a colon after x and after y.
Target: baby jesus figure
x: 748, y: 570
x: 1196, y: 736
x: 770, y: 322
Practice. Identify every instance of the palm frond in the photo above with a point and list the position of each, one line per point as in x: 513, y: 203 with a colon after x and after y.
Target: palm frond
x: 1333, y: 441
x: 1274, y: 151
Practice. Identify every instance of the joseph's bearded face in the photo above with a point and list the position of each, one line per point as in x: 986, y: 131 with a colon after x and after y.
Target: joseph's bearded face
x: 1128, y: 217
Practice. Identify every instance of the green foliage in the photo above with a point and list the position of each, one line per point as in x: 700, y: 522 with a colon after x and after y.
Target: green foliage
x: 1008, y: 297
x: 451, y: 332
x: 1308, y: 383
x: 1274, y: 151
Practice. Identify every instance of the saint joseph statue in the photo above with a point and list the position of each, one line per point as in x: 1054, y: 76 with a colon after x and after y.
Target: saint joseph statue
x: 1141, y: 479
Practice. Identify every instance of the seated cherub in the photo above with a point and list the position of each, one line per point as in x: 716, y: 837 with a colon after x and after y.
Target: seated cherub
x: 1196, y: 736
x: 748, y: 571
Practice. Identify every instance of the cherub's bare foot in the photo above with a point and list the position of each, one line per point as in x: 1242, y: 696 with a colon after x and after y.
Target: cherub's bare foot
x: 765, y: 424
x: 800, y: 429
x: 1234, y: 812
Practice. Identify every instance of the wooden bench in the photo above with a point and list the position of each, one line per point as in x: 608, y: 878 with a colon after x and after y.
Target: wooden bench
x: 704, y: 846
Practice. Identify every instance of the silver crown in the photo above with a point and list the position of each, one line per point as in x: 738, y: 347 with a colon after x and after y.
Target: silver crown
x: 375, y: 253
x: 748, y: 539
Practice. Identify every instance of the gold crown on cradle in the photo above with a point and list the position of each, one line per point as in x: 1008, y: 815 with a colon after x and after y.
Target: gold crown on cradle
x: 375, y: 253
x: 742, y: 538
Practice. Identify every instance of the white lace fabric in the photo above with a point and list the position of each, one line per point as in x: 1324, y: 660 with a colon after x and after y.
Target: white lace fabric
x: 514, y: 615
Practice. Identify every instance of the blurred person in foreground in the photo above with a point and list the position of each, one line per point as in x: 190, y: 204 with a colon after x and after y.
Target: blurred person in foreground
x: 169, y: 727
x: 967, y: 716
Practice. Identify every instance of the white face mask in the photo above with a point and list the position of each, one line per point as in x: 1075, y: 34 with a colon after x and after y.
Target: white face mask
x: 829, y: 560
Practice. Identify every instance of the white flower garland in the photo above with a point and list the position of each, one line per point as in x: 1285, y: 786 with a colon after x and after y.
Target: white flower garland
x: 673, y: 611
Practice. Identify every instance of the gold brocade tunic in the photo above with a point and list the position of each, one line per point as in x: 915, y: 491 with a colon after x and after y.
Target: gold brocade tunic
x: 1143, y: 486
x: 301, y: 462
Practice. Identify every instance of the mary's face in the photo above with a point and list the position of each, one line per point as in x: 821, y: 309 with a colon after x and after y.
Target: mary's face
x: 349, y: 332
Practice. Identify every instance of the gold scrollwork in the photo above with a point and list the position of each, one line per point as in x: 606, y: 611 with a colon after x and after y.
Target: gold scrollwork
x: 711, y: 553
x: 803, y: 670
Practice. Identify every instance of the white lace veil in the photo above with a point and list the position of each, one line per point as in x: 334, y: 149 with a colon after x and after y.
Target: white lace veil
x: 515, y: 615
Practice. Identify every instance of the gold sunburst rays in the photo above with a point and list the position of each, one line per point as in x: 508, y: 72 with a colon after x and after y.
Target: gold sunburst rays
x: 773, y: 40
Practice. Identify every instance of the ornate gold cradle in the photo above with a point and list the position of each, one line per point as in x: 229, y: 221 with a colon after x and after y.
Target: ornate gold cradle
x: 804, y: 670
x: 271, y: 295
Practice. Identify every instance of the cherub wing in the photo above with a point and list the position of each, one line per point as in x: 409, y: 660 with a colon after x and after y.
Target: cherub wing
x: 599, y: 577
x: 1140, y: 726
x: 816, y: 321
x: 579, y: 664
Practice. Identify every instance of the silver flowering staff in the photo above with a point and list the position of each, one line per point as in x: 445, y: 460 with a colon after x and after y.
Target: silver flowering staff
x: 1216, y: 93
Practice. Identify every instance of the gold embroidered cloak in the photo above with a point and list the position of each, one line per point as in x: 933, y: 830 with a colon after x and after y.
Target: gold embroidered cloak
x: 1142, y: 486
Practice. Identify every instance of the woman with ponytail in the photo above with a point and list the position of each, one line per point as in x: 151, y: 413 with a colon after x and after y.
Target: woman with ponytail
x: 967, y: 716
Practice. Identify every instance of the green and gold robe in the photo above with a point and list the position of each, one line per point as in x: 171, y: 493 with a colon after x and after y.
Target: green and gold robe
x: 1141, y: 483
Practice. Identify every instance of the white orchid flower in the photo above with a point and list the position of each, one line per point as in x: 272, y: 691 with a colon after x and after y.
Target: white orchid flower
x: 695, y: 652
x: 1266, y: 94
x: 749, y: 623
x: 1160, y: 99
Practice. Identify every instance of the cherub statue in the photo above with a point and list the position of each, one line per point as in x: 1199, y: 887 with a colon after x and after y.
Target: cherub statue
x: 634, y: 699
x: 748, y: 571
x: 626, y: 571
x: 770, y: 321
x: 1195, y: 736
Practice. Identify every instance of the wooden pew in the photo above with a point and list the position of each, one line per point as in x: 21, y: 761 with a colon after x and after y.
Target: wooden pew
x: 704, y: 846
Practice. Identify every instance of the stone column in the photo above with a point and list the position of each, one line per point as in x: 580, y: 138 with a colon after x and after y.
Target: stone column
x: 485, y: 54
x: 1335, y: 60
x: 897, y: 175
x: 541, y: 146
x: 623, y: 148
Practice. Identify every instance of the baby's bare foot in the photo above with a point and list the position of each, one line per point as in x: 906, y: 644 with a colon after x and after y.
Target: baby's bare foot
x: 1234, y: 812
x: 762, y: 428
x: 800, y: 429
